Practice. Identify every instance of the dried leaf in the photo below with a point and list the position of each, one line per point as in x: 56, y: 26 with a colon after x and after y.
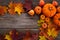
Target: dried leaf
x: 19, y: 8
x: 15, y: 7
x: 28, y: 5
x: 10, y: 4
x: 3, y: 10
x: 52, y: 32
x: 40, y: 22
x: 11, y: 8
x: 14, y: 34
x: 27, y: 36
x: 42, y: 38
x: 11, y: 11
x: 49, y: 32
x: 39, y: 25
x: 8, y: 37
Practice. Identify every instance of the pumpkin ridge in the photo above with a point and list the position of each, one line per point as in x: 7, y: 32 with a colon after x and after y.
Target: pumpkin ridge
x: 49, y: 10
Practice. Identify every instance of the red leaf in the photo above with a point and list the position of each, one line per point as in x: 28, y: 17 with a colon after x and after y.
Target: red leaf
x: 28, y: 5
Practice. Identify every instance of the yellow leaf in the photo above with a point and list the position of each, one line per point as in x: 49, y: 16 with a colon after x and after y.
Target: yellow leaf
x: 52, y: 32
x: 49, y: 32
x: 19, y: 9
x: 42, y: 38
x: 8, y: 37
x: 15, y: 7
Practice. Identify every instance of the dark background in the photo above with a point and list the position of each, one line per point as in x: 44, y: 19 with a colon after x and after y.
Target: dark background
x: 24, y: 21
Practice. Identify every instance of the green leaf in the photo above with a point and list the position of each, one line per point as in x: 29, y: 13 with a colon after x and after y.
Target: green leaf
x: 39, y: 25
x: 40, y: 21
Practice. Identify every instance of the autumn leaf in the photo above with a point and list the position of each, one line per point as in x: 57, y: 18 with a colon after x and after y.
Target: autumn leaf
x: 42, y: 38
x: 52, y: 32
x: 15, y: 7
x: 8, y: 37
x: 40, y: 22
x: 10, y: 4
x: 11, y: 8
x: 28, y: 5
x: 3, y: 10
x: 11, y: 11
x: 49, y: 32
x: 39, y: 25
x: 19, y: 8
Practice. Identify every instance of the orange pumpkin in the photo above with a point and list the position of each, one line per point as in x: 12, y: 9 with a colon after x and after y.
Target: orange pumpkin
x: 58, y: 9
x: 47, y: 19
x: 41, y: 2
x: 42, y: 17
x: 44, y: 25
x: 55, y: 3
x: 49, y: 10
x: 57, y: 19
x: 31, y: 12
x: 37, y: 9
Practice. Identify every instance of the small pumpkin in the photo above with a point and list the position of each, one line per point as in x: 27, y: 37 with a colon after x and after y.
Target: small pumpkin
x: 41, y: 2
x: 49, y: 10
x: 44, y: 25
x: 57, y: 19
x: 58, y: 9
x: 42, y: 17
x: 47, y: 19
x: 55, y: 3
x: 37, y: 9
x: 31, y: 12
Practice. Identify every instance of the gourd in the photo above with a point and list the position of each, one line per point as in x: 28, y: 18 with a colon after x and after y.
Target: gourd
x: 57, y: 19
x: 49, y: 10
x: 37, y: 10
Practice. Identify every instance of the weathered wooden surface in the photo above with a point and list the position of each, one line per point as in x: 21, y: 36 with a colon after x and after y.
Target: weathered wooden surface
x: 22, y: 21
x: 4, y: 31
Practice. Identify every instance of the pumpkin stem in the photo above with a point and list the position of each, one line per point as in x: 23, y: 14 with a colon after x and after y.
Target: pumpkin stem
x: 59, y: 19
x: 50, y: 8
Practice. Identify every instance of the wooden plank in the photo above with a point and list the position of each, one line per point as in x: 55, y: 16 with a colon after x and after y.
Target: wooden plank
x: 22, y: 21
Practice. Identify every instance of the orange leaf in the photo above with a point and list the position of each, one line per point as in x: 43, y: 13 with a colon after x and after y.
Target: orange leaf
x: 15, y: 7
x: 3, y: 10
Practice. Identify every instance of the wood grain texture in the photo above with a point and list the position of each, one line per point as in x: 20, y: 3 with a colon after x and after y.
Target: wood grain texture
x: 23, y: 21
